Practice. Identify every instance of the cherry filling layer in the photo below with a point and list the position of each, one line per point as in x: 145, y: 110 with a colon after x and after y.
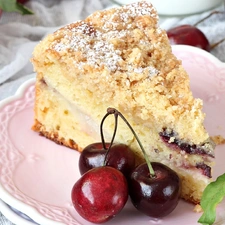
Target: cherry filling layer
x: 206, y: 170
x: 171, y: 140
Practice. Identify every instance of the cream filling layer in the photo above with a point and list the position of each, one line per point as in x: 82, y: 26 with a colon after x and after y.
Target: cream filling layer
x: 88, y: 125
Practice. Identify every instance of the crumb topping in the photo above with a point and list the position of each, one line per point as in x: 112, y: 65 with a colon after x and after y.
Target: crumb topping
x: 100, y: 40
x: 198, y: 208
x: 218, y: 139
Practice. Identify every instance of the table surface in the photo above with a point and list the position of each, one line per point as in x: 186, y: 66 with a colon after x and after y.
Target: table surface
x: 14, y: 71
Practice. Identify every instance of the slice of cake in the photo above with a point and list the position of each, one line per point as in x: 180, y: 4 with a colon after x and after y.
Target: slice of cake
x: 120, y: 58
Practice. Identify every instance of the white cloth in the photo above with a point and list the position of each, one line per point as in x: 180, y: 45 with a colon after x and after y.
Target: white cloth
x: 19, y: 34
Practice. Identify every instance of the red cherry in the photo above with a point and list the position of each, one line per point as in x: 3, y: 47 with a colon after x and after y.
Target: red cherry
x: 100, y: 194
x: 120, y: 156
x: 188, y: 35
x: 92, y: 156
x: 154, y: 196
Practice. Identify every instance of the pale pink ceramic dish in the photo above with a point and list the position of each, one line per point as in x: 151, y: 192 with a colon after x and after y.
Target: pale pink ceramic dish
x: 37, y: 175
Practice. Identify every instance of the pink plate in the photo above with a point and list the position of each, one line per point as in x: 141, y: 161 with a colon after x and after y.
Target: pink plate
x: 37, y: 175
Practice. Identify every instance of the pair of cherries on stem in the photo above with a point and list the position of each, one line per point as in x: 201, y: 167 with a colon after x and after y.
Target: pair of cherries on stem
x: 109, y: 176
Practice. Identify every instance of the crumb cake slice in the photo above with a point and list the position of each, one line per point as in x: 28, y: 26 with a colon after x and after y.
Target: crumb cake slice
x: 120, y: 58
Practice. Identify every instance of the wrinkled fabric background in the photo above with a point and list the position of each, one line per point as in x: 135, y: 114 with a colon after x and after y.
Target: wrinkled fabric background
x: 19, y: 34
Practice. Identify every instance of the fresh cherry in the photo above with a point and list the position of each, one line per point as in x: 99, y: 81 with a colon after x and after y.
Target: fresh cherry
x: 92, y: 156
x: 155, y: 196
x: 100, y: 194
x: 191, y: 35
x: 120, y: 157
x: 188, y: 35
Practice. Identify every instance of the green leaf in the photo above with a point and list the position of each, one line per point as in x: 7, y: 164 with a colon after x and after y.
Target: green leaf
x: 212, y: 196
x: 14, y: 6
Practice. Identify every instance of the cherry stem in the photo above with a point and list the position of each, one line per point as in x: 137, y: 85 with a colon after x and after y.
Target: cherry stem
x: 206, y: 17
x: 102, y: 135
x: 216, y: 44
x: 116, y: 114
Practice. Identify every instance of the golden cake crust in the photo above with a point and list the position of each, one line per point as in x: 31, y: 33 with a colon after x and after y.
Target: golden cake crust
x: 54, y: 136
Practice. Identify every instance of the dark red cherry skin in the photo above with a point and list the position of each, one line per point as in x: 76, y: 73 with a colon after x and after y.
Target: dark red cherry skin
x: 120, y: 156
x: 154, y: 196
x: 188, y: 35
x: 100, y: 194
x: 92, y: 156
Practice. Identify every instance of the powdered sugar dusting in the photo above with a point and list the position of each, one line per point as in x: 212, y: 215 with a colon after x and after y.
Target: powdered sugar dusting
x: 95, y: 46
x: 151, y: 71
x: 140, y: 9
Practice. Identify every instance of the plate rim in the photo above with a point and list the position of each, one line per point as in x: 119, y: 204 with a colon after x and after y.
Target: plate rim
x: 4, y: 195
x: 19, y: 92
x: 199, y: 51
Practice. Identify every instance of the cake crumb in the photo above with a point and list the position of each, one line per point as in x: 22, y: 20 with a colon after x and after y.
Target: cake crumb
x: 218, y: 139
x: 198, y: 209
